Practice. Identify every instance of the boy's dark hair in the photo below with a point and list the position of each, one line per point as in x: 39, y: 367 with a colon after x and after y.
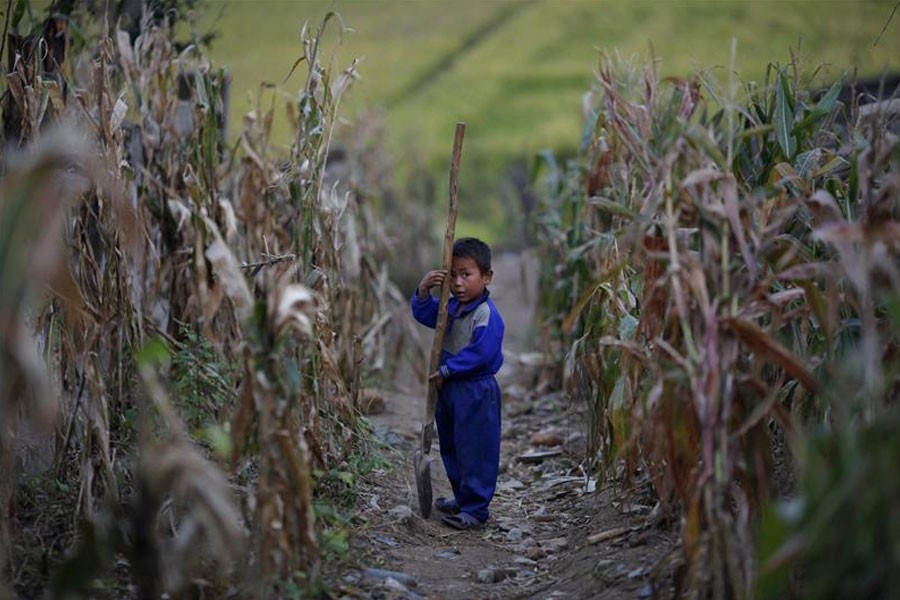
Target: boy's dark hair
x: 475, y: 249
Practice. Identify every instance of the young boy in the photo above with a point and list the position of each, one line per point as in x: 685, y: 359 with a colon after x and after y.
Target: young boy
x: 468, y: 407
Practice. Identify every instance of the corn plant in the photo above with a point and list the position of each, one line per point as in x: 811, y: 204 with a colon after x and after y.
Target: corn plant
x: 171, y: 228
x: 696, y: 288
x: 34, y: 196
x: 827, y: 541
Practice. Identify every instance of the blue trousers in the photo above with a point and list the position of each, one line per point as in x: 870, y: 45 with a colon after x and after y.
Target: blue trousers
x: 468, y: 425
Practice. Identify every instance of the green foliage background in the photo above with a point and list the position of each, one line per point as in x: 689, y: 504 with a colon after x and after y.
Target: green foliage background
x: 515, y: 70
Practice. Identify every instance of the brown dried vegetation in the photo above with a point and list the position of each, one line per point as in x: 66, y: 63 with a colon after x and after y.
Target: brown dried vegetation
x: 721, y: 271
x: 130, y: 232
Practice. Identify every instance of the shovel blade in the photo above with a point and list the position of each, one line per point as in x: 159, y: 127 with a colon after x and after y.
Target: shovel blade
x: 422, y: 466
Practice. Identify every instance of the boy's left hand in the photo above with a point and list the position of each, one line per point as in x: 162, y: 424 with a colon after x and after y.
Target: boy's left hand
x: 437, y: 378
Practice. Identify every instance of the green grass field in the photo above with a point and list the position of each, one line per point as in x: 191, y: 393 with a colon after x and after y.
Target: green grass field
x: 515, y: 71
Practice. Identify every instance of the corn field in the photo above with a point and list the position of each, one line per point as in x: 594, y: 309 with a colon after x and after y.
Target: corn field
x: 184, y: 319
x: 189, y: 317
x: 720, y: 269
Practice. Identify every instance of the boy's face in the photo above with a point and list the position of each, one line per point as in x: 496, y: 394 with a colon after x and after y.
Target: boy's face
x: 467, y: 282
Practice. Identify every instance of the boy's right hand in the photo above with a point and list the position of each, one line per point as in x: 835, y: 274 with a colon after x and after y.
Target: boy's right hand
x: 431, y: 279
x: 438, y: 379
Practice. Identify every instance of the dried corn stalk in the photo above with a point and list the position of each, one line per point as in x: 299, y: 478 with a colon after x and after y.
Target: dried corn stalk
x: 175, y: 232
x: 699, y: 302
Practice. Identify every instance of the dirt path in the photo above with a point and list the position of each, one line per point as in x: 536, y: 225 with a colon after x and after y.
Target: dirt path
x: 536, y: 544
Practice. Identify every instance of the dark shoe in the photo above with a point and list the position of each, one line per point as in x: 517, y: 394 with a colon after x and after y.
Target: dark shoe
x: 446, y: 505
x: 462, y: 521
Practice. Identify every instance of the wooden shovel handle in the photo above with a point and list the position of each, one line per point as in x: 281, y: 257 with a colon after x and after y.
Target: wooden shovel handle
x: 441, y: 325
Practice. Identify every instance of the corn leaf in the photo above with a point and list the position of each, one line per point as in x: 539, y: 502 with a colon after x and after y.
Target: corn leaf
x: 612, y: 207
x: 783, y: 118
x: 822, y: 108
x: 767, y: 347
x: 571, y: 318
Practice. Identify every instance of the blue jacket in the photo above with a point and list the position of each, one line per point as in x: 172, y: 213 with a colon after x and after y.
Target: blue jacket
x: 473, y: 342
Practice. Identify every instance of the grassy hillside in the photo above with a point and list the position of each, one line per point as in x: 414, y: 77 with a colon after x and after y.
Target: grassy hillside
x: 515, y: 70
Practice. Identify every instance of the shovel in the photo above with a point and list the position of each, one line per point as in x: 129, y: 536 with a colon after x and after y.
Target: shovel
x: 422, y: 456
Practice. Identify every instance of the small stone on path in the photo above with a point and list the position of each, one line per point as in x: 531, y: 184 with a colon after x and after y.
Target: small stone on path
x: 535, y: 553
x: 510, y: 485
x: 636, y: 573
x: 555, y: 545
x: 538, y: 456
x: 524, y: 547
x: 542, y: 516
x: 394, y: 585
x: 485, y: 576
x: 383, y: 574
x: 545, y: 438
x: 391, y: 438
x: 389, y: 542
x: 401, y: 512
x: 494, y: 575
x: 351, y: 578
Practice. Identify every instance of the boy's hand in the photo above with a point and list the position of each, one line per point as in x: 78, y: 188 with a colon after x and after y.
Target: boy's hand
x: 437, y: 378
x: 431, y: 279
